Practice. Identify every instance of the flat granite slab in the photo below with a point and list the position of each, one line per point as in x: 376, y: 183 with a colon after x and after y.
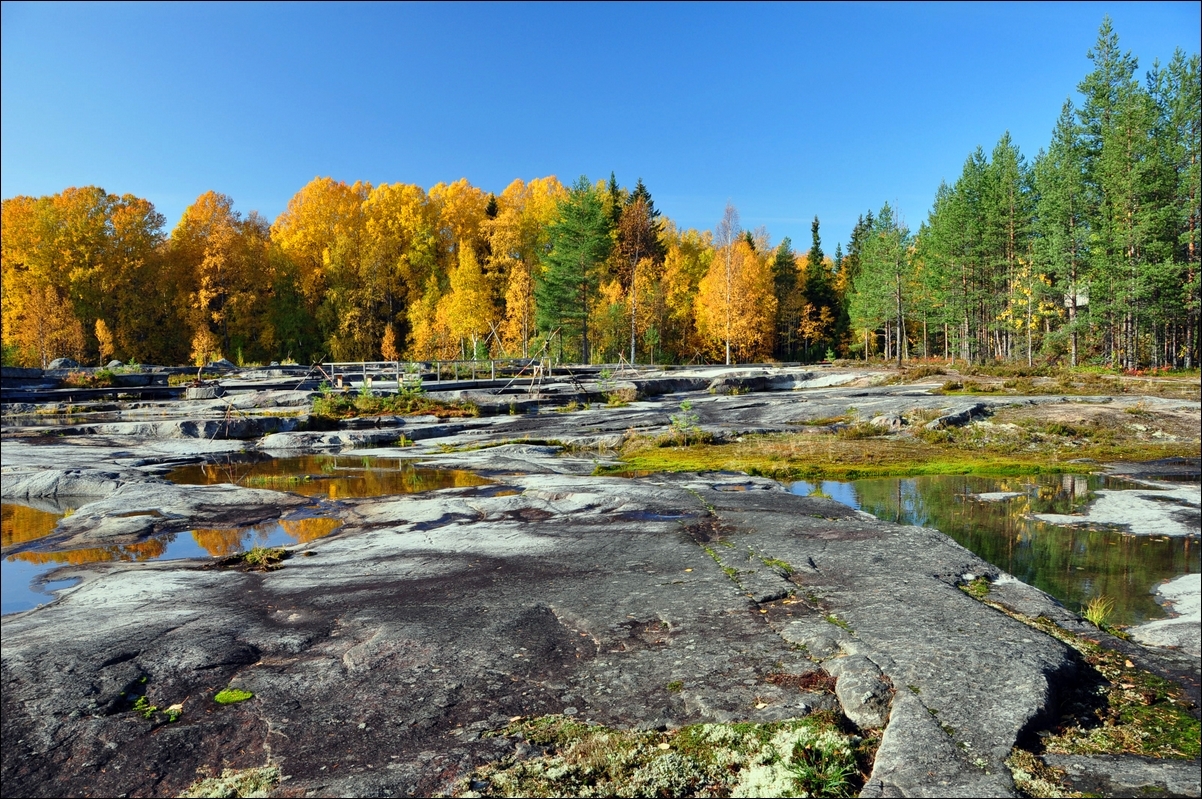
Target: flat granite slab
x: 379, y: 656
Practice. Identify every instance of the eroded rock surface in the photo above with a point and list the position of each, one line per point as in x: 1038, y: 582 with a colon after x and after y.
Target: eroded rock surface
x: 376, y: 662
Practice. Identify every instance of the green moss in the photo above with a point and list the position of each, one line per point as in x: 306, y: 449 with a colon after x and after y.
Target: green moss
x: 978, y: 588
x: 778, y: 564
x: 229, y: 696
x: 838, y: 622
x: 813, y: 756
x: 248, y: 782
x: 676, y: 686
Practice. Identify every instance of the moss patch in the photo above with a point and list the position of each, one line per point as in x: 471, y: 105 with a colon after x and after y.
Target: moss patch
x: 245, y: 782
x: 813, y: 756
x: 229, y: 696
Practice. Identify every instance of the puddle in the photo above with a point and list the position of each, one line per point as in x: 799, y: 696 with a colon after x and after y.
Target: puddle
x: 996, y: 518
x: 22, y: 584
x: 330, y: 476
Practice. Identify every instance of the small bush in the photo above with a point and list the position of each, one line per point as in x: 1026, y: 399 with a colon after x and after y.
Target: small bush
x: 101, y: 378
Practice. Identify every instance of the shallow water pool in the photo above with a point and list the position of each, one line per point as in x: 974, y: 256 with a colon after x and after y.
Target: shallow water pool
x: 996, y: 518
x: 329, y: 476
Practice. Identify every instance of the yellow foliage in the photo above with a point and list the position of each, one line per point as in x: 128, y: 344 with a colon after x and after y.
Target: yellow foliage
x: 517, y: 239
x: 315, y: 218
x: 104, y: 340
x: 466, y: 310
x: 735, y: 305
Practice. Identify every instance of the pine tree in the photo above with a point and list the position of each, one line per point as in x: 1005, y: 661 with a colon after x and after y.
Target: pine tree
x: 1062, y: 245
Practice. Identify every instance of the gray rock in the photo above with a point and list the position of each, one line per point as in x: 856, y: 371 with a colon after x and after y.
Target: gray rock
x: 113, y: 364
x: 63, y: 363
x: 222, y: 365
x: 204, y: 392
x: 959, y: 417
x: 889, y: 421
x: 863, y: 692
x: 1129, y: 775
x: 59, y: 483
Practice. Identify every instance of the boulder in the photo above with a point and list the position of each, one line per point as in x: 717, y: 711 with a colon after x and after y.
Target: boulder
x: 63, y: 363
x: 204, y: 392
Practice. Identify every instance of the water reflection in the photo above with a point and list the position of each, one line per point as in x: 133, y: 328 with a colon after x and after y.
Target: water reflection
x: 331, y: 476
x: 22, y: 573
x: 992, y: 517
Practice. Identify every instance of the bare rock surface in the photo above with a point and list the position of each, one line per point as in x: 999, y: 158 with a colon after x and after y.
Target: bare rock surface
x: 1183, y: 630
x: 432, y: 618
x: 1128, y: 775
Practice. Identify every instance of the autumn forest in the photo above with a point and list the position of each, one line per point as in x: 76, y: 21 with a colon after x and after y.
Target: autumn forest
x: 1087, y: 253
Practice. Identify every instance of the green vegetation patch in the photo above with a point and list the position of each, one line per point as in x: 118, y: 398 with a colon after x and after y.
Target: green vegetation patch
x: 229, y: 696
x: 813, y: 756
x: 256, y: 559
x: 865, y: 451
x: 978, y: 588
x: 101, y: 378
x: 333, y: 405
x: 246, y: 782
x: 1127, y: 710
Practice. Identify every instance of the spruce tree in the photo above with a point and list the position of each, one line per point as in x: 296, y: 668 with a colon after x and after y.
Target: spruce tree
x: 580, y: 242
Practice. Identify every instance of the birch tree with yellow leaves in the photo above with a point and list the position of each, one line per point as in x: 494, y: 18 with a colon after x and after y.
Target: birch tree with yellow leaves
x: 735, y: 307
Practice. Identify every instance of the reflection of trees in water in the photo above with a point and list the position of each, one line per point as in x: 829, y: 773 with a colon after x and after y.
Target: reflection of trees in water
x: 1072, y: 563
x: 223, y: 543
x: 306, y: 530
x: 143, y: 550
x: 219, y: 543
x: 21, y: 523
x: 332, y: 476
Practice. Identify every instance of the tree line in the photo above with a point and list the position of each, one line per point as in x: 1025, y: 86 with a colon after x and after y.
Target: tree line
x: 1090, y: 253
x: 590, y: 271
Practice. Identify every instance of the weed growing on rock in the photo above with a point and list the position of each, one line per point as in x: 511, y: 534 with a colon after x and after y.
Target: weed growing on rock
x: 1098, y: 610
x: 144, y: 708
x: 779, y: 565
x: 229, y: 696
x: 838, y: 622
x: 247, y: 782
x: 814, y: 756
x: 331, y: 405
x: 862, y: 430
x: 260, y: 559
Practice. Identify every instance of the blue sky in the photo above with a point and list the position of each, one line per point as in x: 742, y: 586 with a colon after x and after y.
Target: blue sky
x: 785, y: 110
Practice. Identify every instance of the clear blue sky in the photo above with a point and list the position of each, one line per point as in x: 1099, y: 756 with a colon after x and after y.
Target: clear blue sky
x: 785, y: 110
